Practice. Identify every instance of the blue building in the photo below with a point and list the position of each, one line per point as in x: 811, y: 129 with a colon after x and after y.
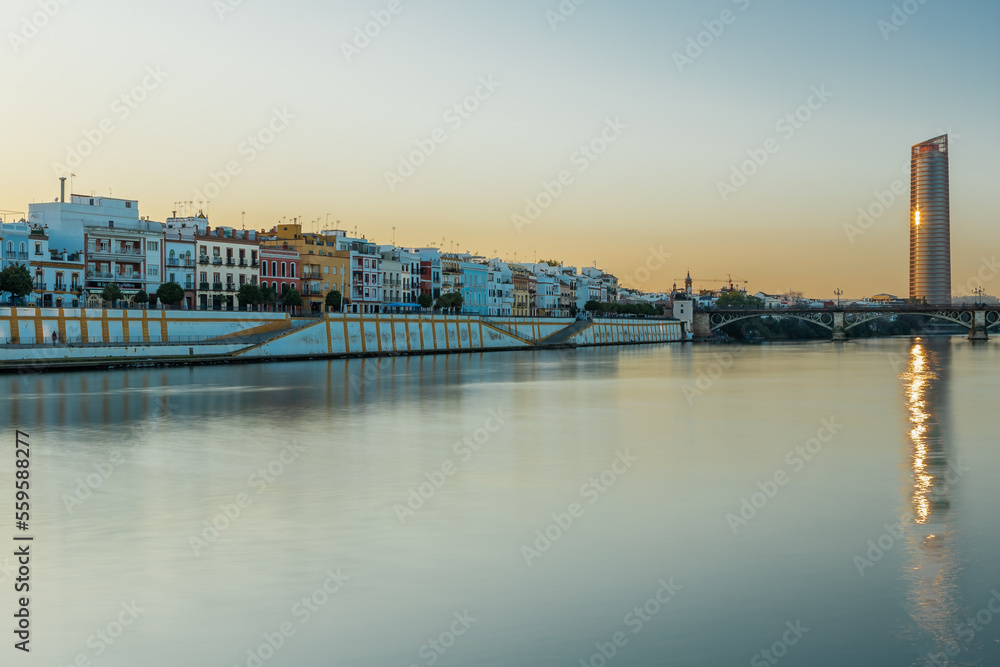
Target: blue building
x: 474, y: 291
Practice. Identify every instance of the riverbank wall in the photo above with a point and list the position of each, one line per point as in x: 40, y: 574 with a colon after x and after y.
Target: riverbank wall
x: 39, y: 338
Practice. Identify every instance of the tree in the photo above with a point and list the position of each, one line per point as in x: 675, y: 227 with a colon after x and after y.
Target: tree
x: 170, y: 294
x: 451, y: 301
x: 736, y: 299
x: 425, y: 300
x: 17, y: 280
x: 334, y: 299
x: 111, y: 292
x: 269, y: 296
x: 140, y: 298
x: 592, y: 306
x: 291, y: 298
x: 249, y: 295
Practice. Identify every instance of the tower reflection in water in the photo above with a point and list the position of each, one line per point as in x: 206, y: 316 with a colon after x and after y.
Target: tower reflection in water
x: 931, y: 570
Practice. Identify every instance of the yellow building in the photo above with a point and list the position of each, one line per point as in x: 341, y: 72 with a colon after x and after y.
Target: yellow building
x: 520, y: 278
x: 324, y: 268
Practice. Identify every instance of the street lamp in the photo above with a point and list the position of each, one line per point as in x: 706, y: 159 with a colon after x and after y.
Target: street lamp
x: 839, y: 292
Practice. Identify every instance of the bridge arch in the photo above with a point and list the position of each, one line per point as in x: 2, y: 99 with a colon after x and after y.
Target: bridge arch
x: 960, y: 317
x: 824, y: 319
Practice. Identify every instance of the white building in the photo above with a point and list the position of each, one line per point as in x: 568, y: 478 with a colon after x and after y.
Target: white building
x: 499, y: 289
x: 118, y: 246
x: 366, y: 273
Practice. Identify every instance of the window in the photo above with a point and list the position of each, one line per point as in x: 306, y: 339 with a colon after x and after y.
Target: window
x: 283, y: 270
x: 111, y: 224
x: 274, y: 269
x: 38, y: 248
x: 154, y: 246
x: 128, y: 204
x: 154, y: 271
x: 173, y: 277
x: 263, y: 269
x: 292, y: 269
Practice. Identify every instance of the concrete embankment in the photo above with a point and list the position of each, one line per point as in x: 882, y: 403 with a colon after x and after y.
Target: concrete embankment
x: 43, y: 339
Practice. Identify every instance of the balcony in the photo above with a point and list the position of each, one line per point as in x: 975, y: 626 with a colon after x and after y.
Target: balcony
x: 217, y: 261
x: 203, y: 287
x: 254, y: 264
x: 173, y: 262
x: 41, y: 287
x: 94, y: 249
x: 203, y: 259
x: 230, y: 287
x: 100, y: 275
x: 60, y: 287
x: 230, y: 261
x: 189, y: 286
x: 23, y: 256
x: 243, y: 263
x: 216, y: 287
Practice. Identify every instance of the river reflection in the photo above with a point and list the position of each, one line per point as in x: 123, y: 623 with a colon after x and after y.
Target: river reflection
x: 932, y: 568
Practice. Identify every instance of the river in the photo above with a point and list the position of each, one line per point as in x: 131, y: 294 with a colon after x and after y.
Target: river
x: 808, y: 504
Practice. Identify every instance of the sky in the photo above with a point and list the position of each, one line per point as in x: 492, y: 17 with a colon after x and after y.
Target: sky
x: 724, y: 137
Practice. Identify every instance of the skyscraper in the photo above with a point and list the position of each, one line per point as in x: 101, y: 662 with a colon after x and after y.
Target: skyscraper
x: 930, y: 223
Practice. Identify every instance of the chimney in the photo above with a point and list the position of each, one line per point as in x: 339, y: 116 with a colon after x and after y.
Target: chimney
x: 62, y: 189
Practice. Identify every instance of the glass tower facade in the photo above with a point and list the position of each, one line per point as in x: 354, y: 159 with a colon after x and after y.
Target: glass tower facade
x: 930, y: 223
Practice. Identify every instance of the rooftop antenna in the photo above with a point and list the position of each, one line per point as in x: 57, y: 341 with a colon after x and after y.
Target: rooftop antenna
x: 393, y: 236
x: 244, y: 214
x: 71, y: 177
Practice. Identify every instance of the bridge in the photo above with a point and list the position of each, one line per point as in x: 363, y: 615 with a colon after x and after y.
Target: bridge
x: 977, y: 319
